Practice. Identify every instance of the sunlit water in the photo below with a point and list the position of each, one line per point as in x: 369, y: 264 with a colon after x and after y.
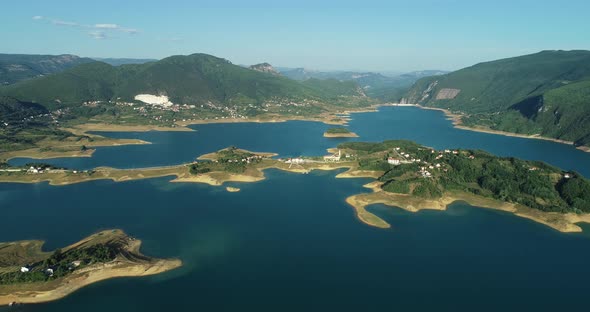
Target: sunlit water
x: 291, y: 243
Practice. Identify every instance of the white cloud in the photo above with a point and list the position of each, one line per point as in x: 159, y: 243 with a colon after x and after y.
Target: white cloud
x: 99, y: 35
x: 106, y: 26
x: 96, y: 31
x: 130, y: 30
x: 64, y: 23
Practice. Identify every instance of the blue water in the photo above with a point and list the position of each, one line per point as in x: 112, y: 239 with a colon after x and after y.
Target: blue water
x: 291, y: 243
x: 295, y: 138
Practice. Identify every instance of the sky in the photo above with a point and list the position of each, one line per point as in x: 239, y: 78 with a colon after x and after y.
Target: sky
x: 396, y: 36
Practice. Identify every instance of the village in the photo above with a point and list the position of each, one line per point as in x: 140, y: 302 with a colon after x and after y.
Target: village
x: 40, y: 169
x: 400, y: 158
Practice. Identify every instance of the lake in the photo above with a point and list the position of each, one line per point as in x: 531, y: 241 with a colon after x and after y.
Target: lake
x: 291, y: 243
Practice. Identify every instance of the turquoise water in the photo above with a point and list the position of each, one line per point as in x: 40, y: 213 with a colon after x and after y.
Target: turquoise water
x: 291, y: 243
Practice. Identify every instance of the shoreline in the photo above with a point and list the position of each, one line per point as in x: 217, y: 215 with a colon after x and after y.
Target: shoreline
x: 342, y: 116
x: 104, y: 127
x: 74, y: 150
x: 326, y: 119
x: 565, y: 223
x: 457, y: 123
x: 561, y: 222
x: 121, y: 266
x: 340, y: 135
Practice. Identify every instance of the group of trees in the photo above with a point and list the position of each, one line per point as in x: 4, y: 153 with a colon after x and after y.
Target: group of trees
x: 230, y: 159
x: 61, y: 263
x: 199, y: 168
x: 532, y: 184
x: 576, y: 192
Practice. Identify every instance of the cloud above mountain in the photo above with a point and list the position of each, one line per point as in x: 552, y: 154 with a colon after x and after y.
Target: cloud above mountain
x: 97, y: 31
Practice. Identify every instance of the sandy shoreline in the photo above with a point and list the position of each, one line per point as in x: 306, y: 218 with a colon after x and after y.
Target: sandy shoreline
x: 565, y: 223
x: 454, y: 117
x: 90, y: 275
x: 278, y: 119
x: 560, y: 222
x: 59, y: 288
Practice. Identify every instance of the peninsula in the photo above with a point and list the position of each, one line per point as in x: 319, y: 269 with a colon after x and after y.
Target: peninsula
x: 408, y: 175
x: 30, y: 275
x: 417, y: 177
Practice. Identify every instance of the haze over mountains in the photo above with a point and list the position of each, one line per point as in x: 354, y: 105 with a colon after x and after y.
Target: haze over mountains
x: 388, y: 88
x: 19, y: 67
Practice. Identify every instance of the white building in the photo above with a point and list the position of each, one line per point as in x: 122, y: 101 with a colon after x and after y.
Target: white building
x: 335, y: 157
x: 24, y: 269
x: 393, y: 161
x: 296, y: 161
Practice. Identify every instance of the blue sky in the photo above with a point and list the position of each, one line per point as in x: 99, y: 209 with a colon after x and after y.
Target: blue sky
x: 347, y: 35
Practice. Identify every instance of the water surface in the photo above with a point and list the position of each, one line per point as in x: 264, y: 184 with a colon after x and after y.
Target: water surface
x: 295, y: 138
x: 291, y: 243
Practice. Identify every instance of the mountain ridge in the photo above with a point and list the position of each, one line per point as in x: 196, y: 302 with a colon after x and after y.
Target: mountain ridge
x: 524, y: 94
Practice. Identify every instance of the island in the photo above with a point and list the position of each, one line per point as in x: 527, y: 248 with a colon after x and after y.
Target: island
x: 30, y: 275
x: 339, y: 132
x: 407, y: 175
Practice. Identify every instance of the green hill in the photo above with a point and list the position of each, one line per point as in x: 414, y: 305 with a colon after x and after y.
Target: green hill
x: 20, y: 67
x: 543, y: 93
x: 193, y: 79
x: 197, y: 87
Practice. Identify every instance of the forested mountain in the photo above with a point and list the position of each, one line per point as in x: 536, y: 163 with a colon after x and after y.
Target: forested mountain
x: 193, y: 79
x: 546, y: 93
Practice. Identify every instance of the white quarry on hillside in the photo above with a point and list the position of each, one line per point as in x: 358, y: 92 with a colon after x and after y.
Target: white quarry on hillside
x: 160, y: 100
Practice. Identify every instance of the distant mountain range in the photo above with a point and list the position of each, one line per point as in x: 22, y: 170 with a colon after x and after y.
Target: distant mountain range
x: 546, y: 93
x: 377, y: 85
x: 123, y: 61
x: 19, y: 67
